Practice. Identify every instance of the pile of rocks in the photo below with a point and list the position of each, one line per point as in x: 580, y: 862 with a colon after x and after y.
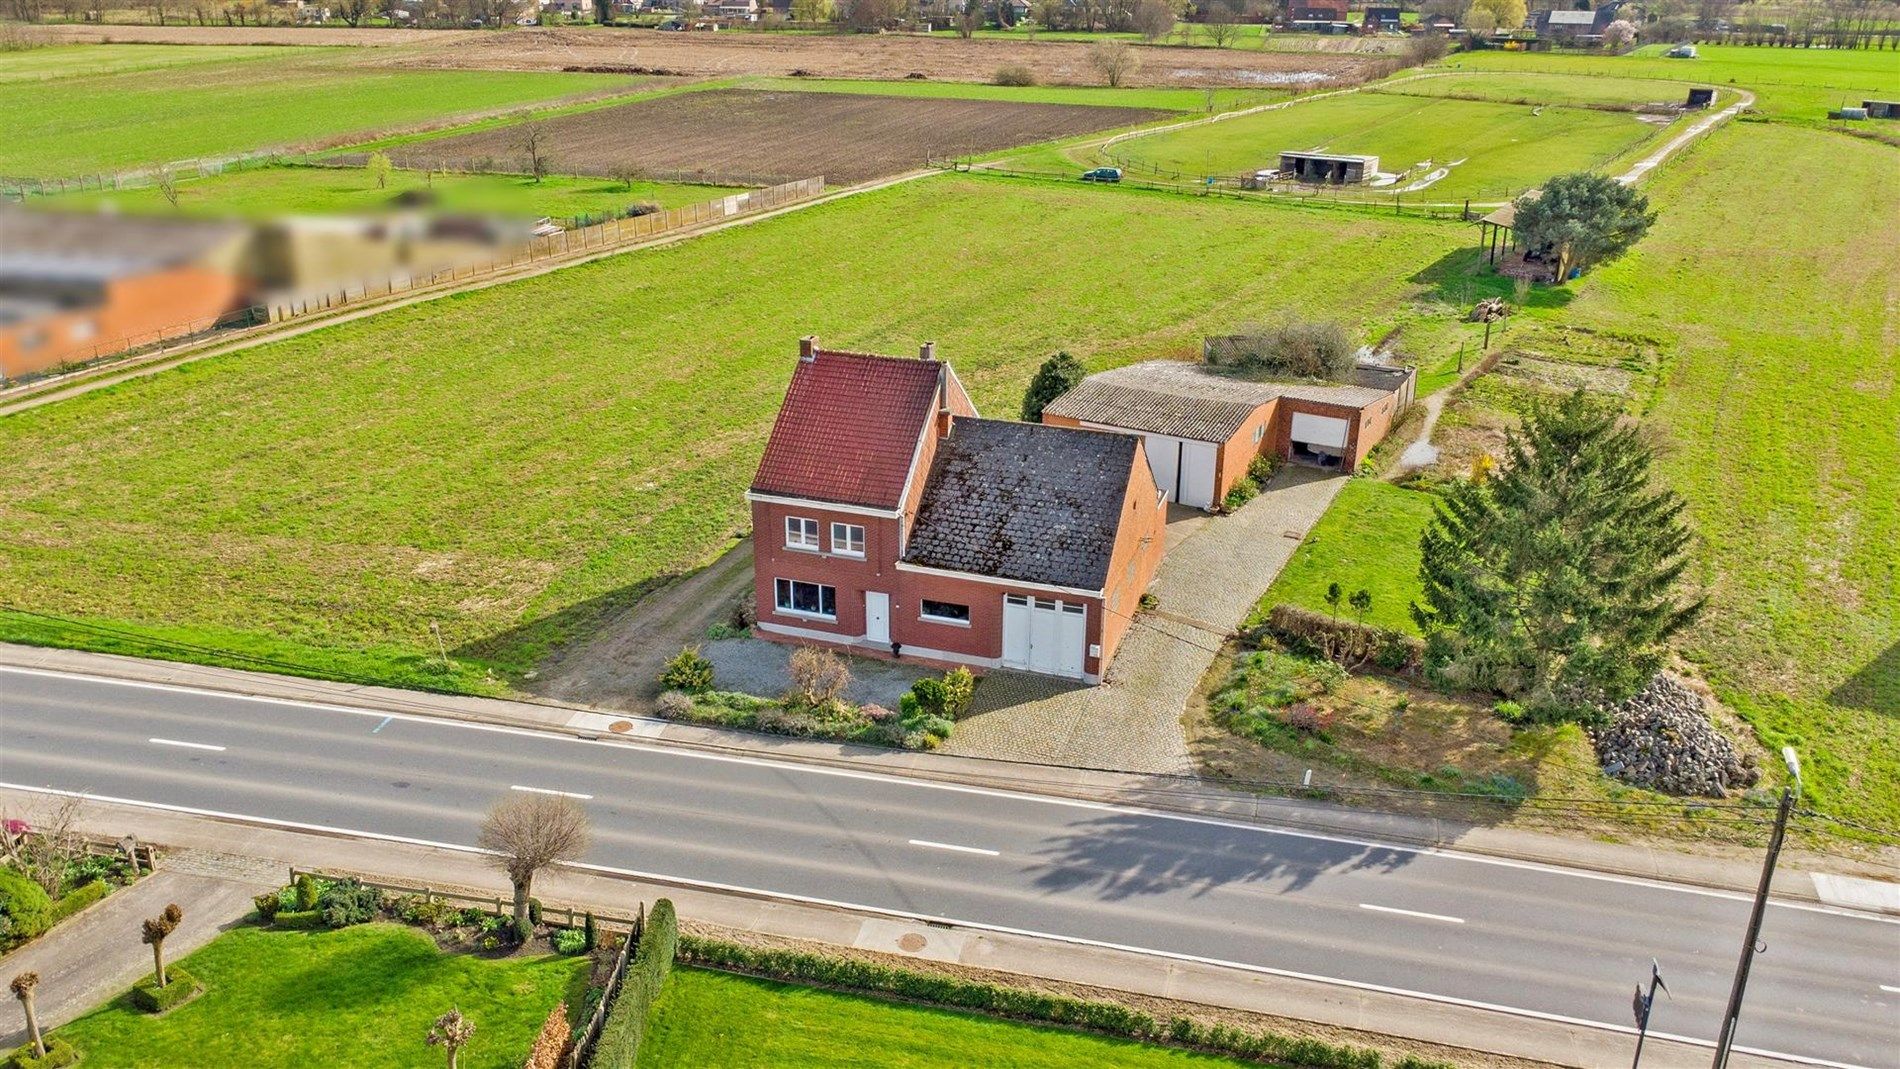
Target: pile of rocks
x: 1662, y: 739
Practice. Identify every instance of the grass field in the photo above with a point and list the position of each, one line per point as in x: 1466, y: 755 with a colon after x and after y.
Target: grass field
x: 357, y: 996
x: 113, y: 121
x: 72, y: 61
x: 268, y: 192
x: 1504, y: 148
x: 1798, y: 84
x: 1527, y: 88
x: 1367, y: 541
x: 510, y: 462
x: 712, y: 1018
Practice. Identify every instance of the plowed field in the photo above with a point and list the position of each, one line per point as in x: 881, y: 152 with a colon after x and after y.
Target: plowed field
x: 753, y: 136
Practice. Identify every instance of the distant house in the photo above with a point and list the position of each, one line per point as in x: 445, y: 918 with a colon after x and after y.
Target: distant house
x: 1202, y: 427
x: 1318, y: 16
x: 80, y: 285
x: 1381, y: 19
x: 890, y: 519
x: 570, y: 8
x: 1582, y: 27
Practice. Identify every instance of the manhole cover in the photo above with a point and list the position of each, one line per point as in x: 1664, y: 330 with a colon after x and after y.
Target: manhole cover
x: 911, y: 943
x: 620, y: 726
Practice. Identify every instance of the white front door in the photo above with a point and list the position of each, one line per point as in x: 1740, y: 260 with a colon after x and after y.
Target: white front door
x: 877, y: 616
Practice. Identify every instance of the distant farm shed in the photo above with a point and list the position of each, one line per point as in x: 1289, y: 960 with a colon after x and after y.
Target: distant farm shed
x: 1328, y: 167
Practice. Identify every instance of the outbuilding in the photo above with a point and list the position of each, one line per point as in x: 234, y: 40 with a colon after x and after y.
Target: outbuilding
x: 1202, y: 427
x: 1328, y: 167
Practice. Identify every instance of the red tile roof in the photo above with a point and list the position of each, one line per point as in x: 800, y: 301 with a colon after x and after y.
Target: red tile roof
x: 848, y: 429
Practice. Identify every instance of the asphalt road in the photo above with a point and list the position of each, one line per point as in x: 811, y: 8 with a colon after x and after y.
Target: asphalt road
x: 1527, y: 938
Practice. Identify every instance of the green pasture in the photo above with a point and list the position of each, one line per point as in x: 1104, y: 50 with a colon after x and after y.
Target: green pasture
x: 1505, y: 148
x: 267, y: 192
x: 1529, y: 88
x: 741, y: 1022
x: 509, y: 463
x: 75, y: 61
x: 114, y: 121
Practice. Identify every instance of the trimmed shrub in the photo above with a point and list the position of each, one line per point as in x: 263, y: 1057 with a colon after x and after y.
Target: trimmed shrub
x: 268, y: 904
x: 591, y: 929
x: 25, y: 911
x: 688, y: 671
x: 435, y: 916
x: 1284, y: 1050
x: 1245, y: 489
x: 568, y: 940
x: 77, y: 899
x: 959, y: 687
x: 306, y: 890
x: 180, y: 985
x: 626, y: 1026
x: 59, y: 1054
x: 1345, y: 641
x: 521, y: 930
x: 298, y: 918
x: 349, y: 902
x: 534, y: 911
x: 673, y: 705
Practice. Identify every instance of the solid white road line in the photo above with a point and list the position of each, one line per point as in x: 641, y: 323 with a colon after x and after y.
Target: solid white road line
x: 959, y: 849
x: 710, y: 885
x: 555, y: 734
x: 186, y: 745
x: 1413, y: 913
x: 544, y: 790
x: 1890, y: 987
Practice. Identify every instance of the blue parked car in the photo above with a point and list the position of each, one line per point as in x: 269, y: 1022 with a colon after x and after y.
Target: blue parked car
x: 1103, y: 174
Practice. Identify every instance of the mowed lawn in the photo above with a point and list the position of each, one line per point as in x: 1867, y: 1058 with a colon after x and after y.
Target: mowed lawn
x: 1368, y: 540
x: 111, y: 121
x: 357, y: 996
x: 510, y: 462
x: 1779, y: 415
x: 266, y: 192
x: 709, y: 1018
x: 1495, y: 150
x: 1796, y: 84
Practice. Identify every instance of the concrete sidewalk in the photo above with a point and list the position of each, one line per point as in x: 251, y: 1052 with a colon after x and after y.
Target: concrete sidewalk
x: 1724, y: 868
x: 1375, y: 1013
x: 97, y: 954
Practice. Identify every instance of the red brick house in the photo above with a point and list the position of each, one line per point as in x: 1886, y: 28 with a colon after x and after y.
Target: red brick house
x: 1202, y: 428
x: 890, y: 519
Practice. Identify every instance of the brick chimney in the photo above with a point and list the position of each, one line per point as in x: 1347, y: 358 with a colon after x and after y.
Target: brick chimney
x: 944, y: 417
x: 927, y: 351
x: 808, y: 348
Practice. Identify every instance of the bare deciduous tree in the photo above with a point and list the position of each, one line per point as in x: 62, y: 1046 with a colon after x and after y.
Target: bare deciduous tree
x: 451, y: 1032
x: 52, y: 847
x: 526, y: 833
x: 22, y: 987
x: 534, y: 144
x: 1221, y: 22
x: 970, y: 19
x: 1154, y: 19
x: 167, y: 185
x: 1115, y: 61
x: 153, y: 933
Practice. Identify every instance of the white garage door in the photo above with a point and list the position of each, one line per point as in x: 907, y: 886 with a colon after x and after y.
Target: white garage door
x: 1183, y: 468
x: 1042, y: 635
x: 1318, y: 439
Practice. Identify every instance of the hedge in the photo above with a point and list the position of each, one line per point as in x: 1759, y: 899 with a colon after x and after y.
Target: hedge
x: 1029, y: 1005
x: 1345, y: 641
x: 59, y: 1054
x: 79, y: 898
x: 179, y: 986
x: 627, y: 1019
x: 298, y: 918
x: 25, y: 911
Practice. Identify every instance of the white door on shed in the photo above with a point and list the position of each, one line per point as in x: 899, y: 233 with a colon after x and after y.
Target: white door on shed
x: 1183, y: 468
x: 1044, y: 635
x: 877, y: 616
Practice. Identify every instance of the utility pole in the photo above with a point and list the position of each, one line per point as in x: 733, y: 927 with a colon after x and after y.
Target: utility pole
x: 1751, y: 943
x: 1645, y: 1005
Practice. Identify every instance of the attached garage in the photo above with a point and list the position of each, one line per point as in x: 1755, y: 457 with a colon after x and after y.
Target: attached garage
x: 1045, y: 635
x: 1319, y: 440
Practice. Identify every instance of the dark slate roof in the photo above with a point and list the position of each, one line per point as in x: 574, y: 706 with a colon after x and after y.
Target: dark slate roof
x: 848, y: 429
x: 1024, y: 501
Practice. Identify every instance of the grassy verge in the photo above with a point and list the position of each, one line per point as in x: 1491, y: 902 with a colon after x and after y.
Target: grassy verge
x: 508, y: 464
x: 269, y: 192
x: 357, y: 996
x: 142, y: 117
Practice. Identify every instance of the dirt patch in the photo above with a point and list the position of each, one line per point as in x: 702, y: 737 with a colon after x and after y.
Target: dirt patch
x: 765, y: 137
x: 1163, y: 1009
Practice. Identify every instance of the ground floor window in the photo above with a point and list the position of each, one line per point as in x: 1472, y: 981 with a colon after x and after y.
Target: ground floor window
x: 945, y: 612
x: 807, y: 599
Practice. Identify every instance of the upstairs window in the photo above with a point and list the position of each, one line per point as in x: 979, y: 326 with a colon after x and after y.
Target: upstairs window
x: 801, y: 533
x: 847, y: 539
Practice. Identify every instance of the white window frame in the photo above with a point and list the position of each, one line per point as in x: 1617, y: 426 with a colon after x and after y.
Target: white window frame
x: 789, y: 588
x: 842, y: 547
x: 801, y: 533
x: 948, y: 621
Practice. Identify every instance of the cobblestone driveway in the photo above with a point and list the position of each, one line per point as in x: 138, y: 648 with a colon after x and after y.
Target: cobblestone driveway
x: 1216, y: 568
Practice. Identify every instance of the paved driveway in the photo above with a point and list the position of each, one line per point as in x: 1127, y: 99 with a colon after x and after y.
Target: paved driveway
x: 1215, y: 570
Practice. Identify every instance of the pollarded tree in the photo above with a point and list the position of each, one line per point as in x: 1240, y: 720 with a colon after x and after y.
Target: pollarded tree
x: 1058, y: 375
x: 23, y: 987
x: 451, y: 1032
x: 1583, y: 218
x: 153, y: 933
x: 526, y: 833
x: 1556, y: 581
